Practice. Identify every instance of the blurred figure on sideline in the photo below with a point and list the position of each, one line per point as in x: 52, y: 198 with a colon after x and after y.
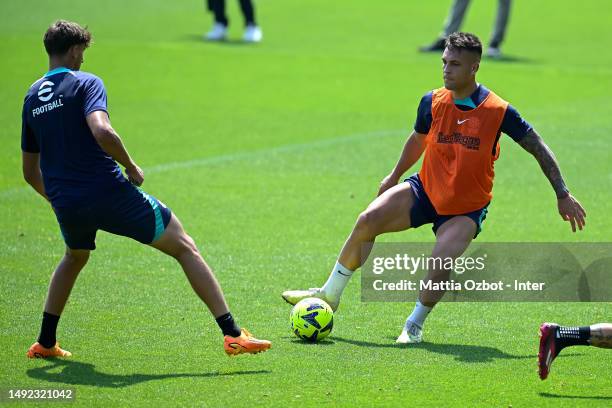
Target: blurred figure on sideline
x: 455, y: 19
x: 252, y: 32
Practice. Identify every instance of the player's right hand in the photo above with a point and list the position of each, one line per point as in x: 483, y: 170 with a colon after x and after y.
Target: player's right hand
x: 386, y: 183
x: 571, y: 210
x: 135, y: 175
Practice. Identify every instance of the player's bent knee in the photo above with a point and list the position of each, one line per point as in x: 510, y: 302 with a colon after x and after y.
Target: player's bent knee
x: 76, y: 256
x: 191, y: 245
x: 367, y: 223
x: 187, y: 246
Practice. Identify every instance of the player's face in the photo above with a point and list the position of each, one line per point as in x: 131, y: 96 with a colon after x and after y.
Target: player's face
x: 458, y: 68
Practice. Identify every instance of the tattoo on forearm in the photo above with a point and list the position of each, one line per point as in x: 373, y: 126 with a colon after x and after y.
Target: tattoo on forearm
x: 533, y: 143
x: 601, y: 337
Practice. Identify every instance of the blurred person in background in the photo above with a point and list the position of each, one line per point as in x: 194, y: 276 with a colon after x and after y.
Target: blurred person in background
x: 252, y: 32
x: 455, y: 19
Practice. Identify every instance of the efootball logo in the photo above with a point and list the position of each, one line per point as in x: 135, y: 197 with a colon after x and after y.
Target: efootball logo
x: 45, y: 91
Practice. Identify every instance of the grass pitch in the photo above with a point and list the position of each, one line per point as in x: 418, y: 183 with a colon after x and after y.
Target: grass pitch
x: 267, y: 153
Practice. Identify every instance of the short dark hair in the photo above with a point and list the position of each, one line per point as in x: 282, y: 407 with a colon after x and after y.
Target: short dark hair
x: 62, y: 35
x: 464, y: 42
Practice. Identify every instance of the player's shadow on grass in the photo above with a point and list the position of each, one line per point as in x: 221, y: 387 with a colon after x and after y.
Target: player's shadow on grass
x: 505, y: 58
x: 77, y: 373
x: 463, y: 352
x: 589, y: 397
x: 227, y: 42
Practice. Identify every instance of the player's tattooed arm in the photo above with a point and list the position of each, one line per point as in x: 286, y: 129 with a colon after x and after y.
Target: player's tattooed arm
x: 569, y: 208
x: 533, y: 143
x: 601, y: 335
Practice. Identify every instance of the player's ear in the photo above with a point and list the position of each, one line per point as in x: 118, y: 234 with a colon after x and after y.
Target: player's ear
x: 74, y: 51
x: 475, y: 67
x: 71, y: 52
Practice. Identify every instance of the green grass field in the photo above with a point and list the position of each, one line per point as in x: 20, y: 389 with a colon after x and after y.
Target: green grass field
x: 267, y: 153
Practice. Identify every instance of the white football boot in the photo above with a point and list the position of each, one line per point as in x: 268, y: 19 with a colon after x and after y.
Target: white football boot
x: 494, y: 52
x: 217, y: 33
x: 294, y: 296
x: 412, y: 333
x: 252, y: 34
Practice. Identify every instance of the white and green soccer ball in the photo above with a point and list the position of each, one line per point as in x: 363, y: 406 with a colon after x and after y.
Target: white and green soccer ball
x: 311, y: 319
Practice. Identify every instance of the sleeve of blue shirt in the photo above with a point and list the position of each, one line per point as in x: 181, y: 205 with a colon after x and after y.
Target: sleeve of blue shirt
x: 514, y: 125
x: 28, y: 140
x: 95, y: 95
x: 424, y: 118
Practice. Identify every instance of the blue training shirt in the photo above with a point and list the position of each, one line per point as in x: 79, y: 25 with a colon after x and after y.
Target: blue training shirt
x: 74, y: 167
x: 513, y: 124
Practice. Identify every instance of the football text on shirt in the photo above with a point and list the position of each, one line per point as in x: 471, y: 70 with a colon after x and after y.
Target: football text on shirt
x: 47, y: 107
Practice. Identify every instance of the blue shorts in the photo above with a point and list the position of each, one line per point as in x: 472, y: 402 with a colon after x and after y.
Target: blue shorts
x: 126, y: 211
x: 423, y: 211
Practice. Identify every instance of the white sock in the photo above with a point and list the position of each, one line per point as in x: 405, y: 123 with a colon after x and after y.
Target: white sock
x: 419, y: 314
x: 337, y: 281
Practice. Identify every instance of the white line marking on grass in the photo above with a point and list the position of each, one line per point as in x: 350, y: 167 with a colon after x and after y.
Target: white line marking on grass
x: 204, y: 161
x: 159, y: 168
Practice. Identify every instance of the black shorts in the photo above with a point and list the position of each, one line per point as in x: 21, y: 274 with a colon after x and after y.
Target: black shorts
x: 126, y: 211
x: 423, y: 211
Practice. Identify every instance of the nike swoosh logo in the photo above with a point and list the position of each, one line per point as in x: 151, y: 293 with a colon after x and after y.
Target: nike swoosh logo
x: 237, y: 346
x: 459, y: 122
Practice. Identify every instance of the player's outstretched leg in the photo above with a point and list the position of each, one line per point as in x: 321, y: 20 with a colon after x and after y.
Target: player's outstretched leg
x: 389, y: 212
x: 452, y: 239
x: 61, y: 284
x: 176, y: 243
x: 554, y: 338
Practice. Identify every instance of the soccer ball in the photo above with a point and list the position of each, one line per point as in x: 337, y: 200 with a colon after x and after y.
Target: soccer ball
x: 311, y: 319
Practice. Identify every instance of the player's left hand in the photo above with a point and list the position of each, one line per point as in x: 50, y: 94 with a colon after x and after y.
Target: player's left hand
x: 135, y: 175
x: 571, y: 210
x: 390, y: 181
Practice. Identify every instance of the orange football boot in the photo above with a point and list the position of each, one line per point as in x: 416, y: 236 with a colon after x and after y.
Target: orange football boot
x: 245, y: 343
x: 38, y: 351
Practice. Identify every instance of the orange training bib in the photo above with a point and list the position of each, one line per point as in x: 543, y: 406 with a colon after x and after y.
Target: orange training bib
x: 462, y: 146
